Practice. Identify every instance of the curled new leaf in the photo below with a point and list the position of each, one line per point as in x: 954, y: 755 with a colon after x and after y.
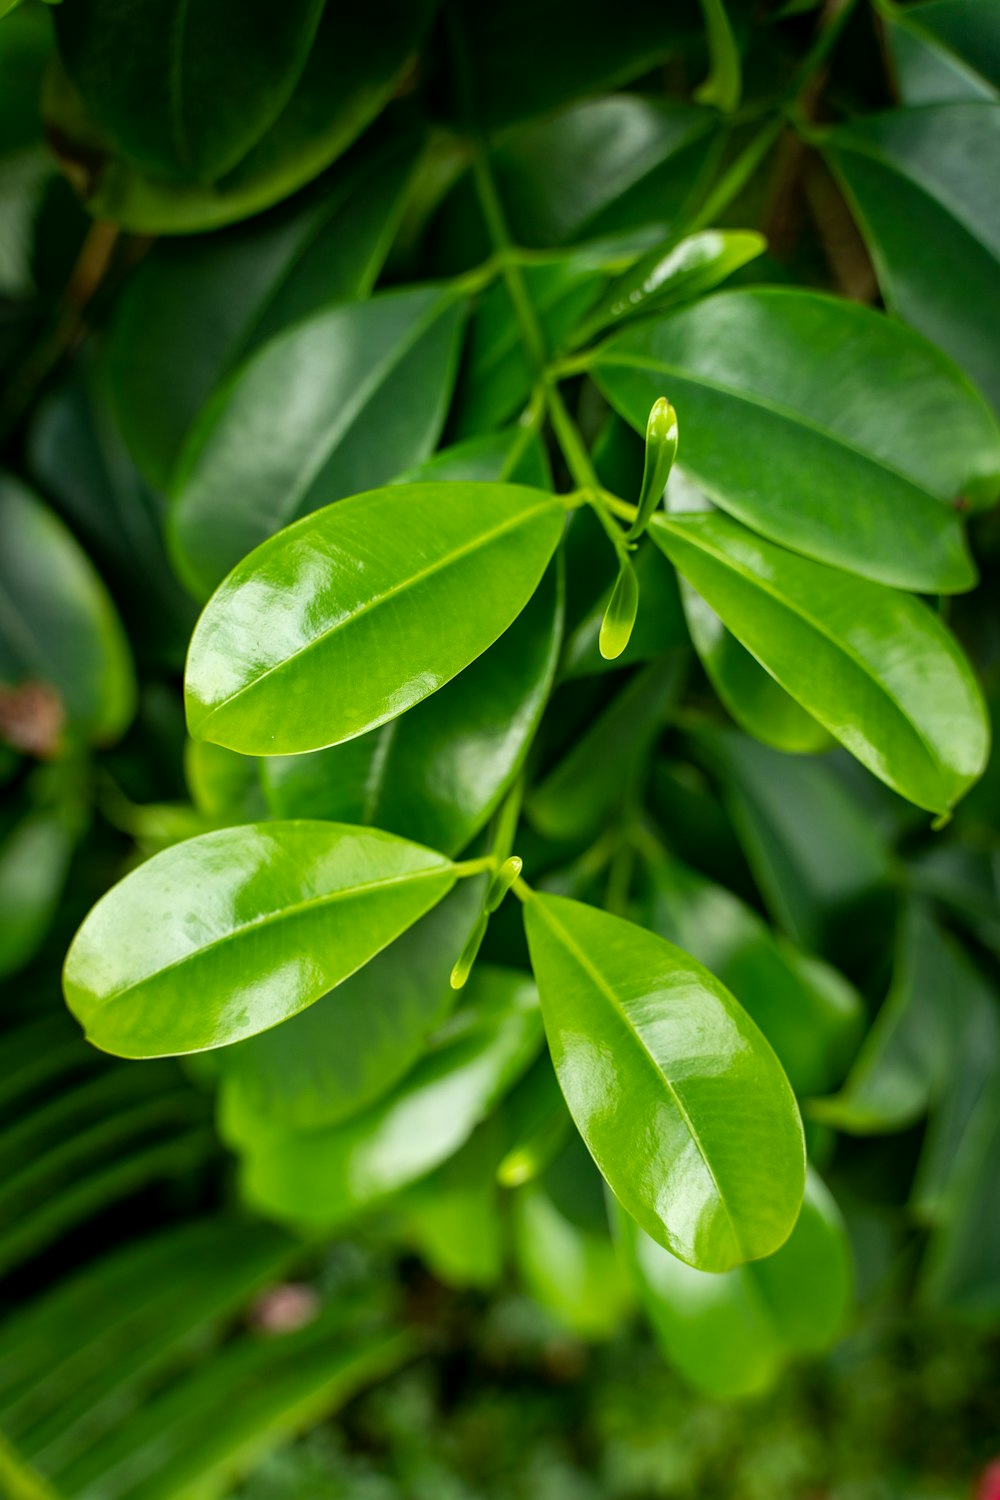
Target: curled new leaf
x: 358, y: 612
x: 226, y: 935
x: 661, y: 450
x: 619, y: 617
x: 681, y: 1101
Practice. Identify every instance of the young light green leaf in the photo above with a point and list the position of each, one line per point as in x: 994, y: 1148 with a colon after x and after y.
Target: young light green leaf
x: 665, y: 276
x: 437, y: 773
x: 619, y: 617
x: 770, y: 382
x: 324, y: 1178
x: 730, y: 1335
x: 678, y: 1096
x: 874, y: 666
x: 58, y: 626
x: 724, y: 83
x: 810, y: 1014
x: 388, y: 595
x: 659, y: 627
x: 336, y: 404
x: 198, y: 306
x: 231, y: 933
x: 918, y: 182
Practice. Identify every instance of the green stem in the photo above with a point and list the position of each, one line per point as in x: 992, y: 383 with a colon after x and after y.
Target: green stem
x: 739, y: 173
x: 467, y: 867
x: 522, y: 890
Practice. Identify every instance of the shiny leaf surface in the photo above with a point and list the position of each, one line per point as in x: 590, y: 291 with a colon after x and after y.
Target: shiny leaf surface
x: 876, y: 667
x: 389, y: 595
x: 437, y: 773
x: 337, y: 404
x: 231, y: 933
x: 678, y: 1096
x: 779, y: 430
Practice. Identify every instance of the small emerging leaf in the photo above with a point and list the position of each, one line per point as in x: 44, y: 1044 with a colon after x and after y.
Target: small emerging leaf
x: 619, y: 617
x: 661, y: 450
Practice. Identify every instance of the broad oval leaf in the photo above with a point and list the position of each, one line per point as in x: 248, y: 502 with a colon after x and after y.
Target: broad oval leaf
x: 233, y: 932
x: 944, y: 50
x: 920, y: 183
x: 58, y: 627
x: 198, y: 306
x: 322, y: 1178
x: 679, y: 1098
x: 437, y: 773
x: 341, y: 1054
x: 785, y: 425
x: 730, y: 1335
x: 339, y: 403
x: 370, y: 606
x: 876, y: 667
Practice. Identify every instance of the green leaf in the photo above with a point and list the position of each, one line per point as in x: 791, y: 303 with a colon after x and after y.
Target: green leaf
x: 944, y: 50
x: 809, y: 1013
x: 200, y: 87
x: 781, y: 427
x: 659, y: 627
x: 564, y: 1253
x: 351, y: 72
x: 445, y: 570
x: 540, y: 1124
x: 337, y: 1057
x: 231, y: 933
x: 337, y: 404
x: 619, y: 617
x: 724, y: 84
x: 819, y: 862
x: 918, y: 182
x: 323, y: 1178
x: 513, y: 455
x: 678, y: 273
x: 578, y: 795
x: 678, y: 1096
x: 452, y: 1217
x: 224, y: 785
x: 437, y: 773
x: 876, y: 667
x: 730, y: 1335
x: 197, y: 308
x: 907, y: 1056
x: 34, y: 861
x: 57, y: 623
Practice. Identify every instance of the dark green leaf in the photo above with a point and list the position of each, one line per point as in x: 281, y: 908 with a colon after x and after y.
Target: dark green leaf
x: 781, y: 427
x: 944, y: 50
x: 676, y: 1093
x: 231, y: 933
x: 337, y: 404
x: 445, y: 570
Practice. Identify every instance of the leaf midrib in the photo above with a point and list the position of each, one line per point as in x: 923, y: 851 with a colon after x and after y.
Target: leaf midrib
x: 257, y: 923
x: 483, y: 539
x: 597, y: 977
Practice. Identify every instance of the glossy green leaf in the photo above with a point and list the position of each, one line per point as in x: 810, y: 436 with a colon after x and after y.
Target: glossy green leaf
x: 810, y: 1014
x: 57, y: 624
x: 944, y: 50
x: 782, y: 429
x: 678, y: 273
x: 197, y: 308
x: 757, y: 703
x: 229, y: 934
x: 322, y: 1178
x: 918, y: 182
x: 445, y: 569
x: 572, y: 1269
x: 351, y: 72
x: 578, y: 795
x: 907, y: 1056
x: 337, y: 1057
x: 201, y: 88
x: 877, y: 668
x: 337, y: 404
x: 437, y: 773
x: 678, y: 1096
x: 730, y: 1335
x: 819, y: 862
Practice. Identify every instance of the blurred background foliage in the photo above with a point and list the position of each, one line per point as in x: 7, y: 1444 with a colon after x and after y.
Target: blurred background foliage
x: 158, y: 1338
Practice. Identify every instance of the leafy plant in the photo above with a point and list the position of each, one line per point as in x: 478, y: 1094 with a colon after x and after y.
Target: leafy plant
x: 511, y: 467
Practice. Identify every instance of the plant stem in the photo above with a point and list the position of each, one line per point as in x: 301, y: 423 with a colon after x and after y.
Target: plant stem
x: 467, y: 867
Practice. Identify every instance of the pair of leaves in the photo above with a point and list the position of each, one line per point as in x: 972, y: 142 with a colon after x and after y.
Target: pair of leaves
x: 872, y: 665
x: 779, y: 431
x: 389, y: 595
